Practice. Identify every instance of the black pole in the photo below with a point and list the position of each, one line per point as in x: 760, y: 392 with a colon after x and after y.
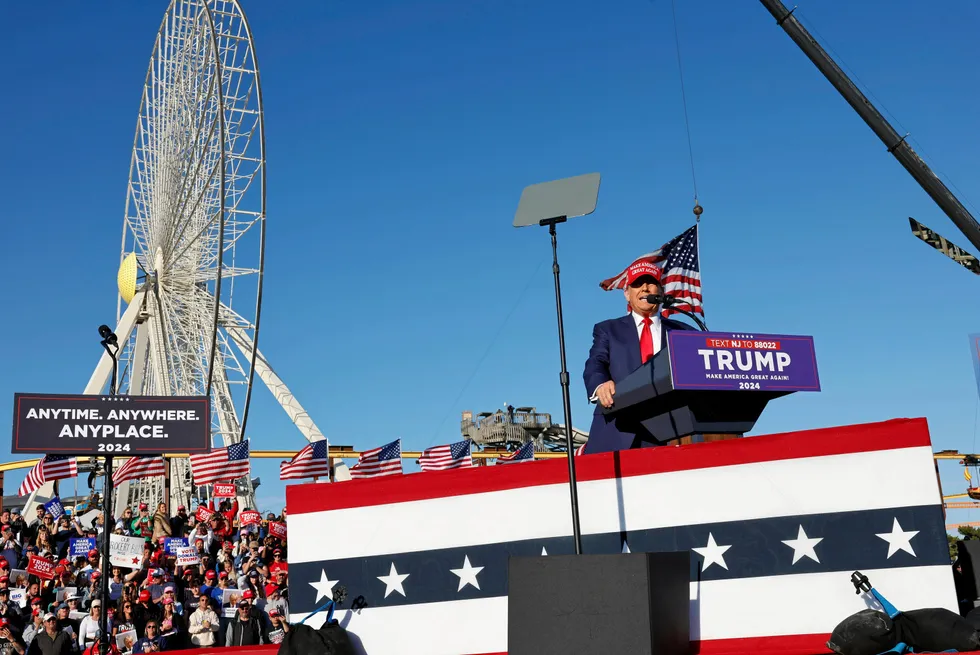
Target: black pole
x: 110, y: 343
x: 565, y: 393
x: 897, y: 145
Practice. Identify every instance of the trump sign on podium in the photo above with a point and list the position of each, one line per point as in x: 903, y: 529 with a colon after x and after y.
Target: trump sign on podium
x: 775, y: 526
x: 108, y: 425
x: 742, y: 362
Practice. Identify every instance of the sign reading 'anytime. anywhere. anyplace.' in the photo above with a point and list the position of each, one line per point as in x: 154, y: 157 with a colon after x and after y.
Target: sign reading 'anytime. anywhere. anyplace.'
x: 103, y: 425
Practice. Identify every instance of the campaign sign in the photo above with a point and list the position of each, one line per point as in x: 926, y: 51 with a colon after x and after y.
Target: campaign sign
x: 54, y: 508
x: 172, y: 544
x: 40, y: 567
x: 249, y: 517
x: 187, y: 557
x: 126, y: 552
x: 202, y: 514
x: 80, y: 547
x: 742, y: 362
x: 224, y: 490
x: 277, y: 529
x: 103, y: 425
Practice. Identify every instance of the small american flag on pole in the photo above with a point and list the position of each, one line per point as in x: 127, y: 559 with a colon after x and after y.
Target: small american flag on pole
x: 139, y: 467
x: 308, y: 463
x: 48, y: 469
x: 682, y: 271
x: 221, y: 464
x: 523, y: 454
x: 384, y: 460
x: 454, y: 456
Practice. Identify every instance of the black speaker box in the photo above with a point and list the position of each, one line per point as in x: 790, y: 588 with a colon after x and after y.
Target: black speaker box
x: 637, y: 603
x: 968, y: 557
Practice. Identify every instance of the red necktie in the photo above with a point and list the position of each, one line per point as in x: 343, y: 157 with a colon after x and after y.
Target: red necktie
x: 646, y: 340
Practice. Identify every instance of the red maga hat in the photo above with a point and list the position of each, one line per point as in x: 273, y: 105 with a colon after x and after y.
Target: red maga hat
x: 641, y: 268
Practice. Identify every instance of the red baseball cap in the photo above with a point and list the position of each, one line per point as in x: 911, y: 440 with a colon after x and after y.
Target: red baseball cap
x: 223, y: 574
x: 93, y: 553
x: 248, y: 595
x: 96, y: 575
x: 144, y: 595
x: 642, y: 267
x: 144, y: 506
x: 271, y: 589
x: 210, y: 575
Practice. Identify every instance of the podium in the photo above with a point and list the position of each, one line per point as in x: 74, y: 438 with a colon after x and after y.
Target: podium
x: 711, y: 383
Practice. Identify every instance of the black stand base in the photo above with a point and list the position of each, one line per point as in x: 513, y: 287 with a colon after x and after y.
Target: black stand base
x: 599, y: 604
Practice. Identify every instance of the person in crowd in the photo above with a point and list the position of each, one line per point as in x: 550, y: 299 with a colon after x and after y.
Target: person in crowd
x: 178, y: 521
x: 278, y: 561
x: 125, y: 621
x: 88, y: 629
x: 204, y: 623
x: 278, y: 626
x: 161, y: 523
x: 142, y: 525
x: 151, y: 642
x: 35, y: 626
x: 50, y: 640
x: 246, y: 629
x: 274, y: 600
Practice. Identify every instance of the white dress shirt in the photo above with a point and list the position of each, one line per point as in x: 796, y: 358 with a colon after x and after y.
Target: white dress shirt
x: 655, y: 332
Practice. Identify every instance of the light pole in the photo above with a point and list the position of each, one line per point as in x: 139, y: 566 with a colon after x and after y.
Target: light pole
x: 111, y: 344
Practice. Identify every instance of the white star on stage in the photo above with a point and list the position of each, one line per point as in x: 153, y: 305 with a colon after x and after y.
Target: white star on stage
x: 898, y: 539
x: 324, y: 588
x: 712, y: 553
x: 544, y: 551
x: 393, y: 581
x: 626, y: 547
x: 803, y: 546
x: 467, y: 574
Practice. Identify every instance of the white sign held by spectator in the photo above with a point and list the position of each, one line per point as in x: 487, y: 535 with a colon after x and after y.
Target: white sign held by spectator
x: 187, y: 557
x: 126, y: 552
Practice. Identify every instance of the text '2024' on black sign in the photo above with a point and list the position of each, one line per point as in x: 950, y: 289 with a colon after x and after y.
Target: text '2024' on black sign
x: 102, y: 425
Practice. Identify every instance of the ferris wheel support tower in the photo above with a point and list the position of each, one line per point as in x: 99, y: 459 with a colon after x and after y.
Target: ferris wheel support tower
x: 193, y: 241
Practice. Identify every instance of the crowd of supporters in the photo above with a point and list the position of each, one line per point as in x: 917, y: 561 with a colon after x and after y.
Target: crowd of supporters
x: 235, y: 596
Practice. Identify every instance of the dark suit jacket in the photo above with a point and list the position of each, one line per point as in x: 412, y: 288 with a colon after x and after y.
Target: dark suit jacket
x: 615, y: 354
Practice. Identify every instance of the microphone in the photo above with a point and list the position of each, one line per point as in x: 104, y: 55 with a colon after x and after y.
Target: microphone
x: 665, y: 301
x: 657, y: 299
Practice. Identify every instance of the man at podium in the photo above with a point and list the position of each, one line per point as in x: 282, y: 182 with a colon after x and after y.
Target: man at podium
x: 619, y: 347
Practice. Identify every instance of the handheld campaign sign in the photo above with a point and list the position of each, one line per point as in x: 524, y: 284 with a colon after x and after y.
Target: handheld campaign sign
x: 742, y: 362
x: 54, y: 508
x: 172, y: 545
x: 106, y: 425
x: 81, y: 547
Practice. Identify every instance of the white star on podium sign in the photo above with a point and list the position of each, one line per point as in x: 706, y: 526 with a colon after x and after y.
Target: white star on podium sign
x: 803, y: 546
x: 393, y: 581
x: 712, y: 553
x: 324, y: 588
x: 898, y: 539
x: 467, y: 574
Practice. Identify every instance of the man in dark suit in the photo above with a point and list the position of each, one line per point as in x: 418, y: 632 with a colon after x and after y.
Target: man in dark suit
x: 619, y: 347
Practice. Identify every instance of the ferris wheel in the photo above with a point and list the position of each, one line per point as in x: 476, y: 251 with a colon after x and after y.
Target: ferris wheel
x: 193, y: 238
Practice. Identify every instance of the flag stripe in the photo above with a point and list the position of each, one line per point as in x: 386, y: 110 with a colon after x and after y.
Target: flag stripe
x: 139, y: 467
x: 221, y: 464
x: 48, y: 469
x: 452, y: 456
x: 310, y: 462
x: 883, y: 436
x: 823, y: 485
x: 378, y: 462
x: 831, y: 597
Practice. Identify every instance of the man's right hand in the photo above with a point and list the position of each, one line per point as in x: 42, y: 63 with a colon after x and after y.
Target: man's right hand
x: 605, y: 392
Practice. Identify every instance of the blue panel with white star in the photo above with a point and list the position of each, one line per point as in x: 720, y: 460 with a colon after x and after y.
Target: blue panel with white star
x: 841, y: 541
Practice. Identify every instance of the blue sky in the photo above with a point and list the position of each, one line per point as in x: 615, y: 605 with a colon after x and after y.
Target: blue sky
x: 400, y: 135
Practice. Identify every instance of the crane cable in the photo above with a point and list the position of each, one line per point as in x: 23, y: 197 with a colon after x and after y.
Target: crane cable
x: 687, y: 121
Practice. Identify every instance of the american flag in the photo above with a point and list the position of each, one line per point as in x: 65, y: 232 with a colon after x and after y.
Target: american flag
x: 221, y: 464
x: 580, y: 450
x: 384, y: 460
x: 682, y: 271
x: 139, y: 467
x: 454, y: 456
x: 48, y: 469
x: 307, y: 463
x: 523, y: 454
